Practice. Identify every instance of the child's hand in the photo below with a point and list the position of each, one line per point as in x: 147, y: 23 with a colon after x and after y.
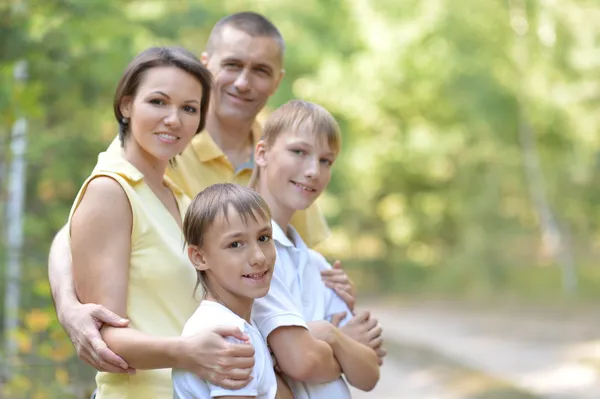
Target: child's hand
x: 366, y: 330
x: 217, y: 360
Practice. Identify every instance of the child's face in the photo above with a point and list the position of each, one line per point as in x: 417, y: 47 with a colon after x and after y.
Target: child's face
x: 238, y: 258
x: 297, y: 169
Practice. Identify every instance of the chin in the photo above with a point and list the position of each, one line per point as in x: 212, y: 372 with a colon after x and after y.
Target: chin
x: 262, y: 293
x: 301, y: 205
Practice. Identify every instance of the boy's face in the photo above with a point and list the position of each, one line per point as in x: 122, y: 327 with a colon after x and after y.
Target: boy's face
x: 238, y: 257
x: 297, y: 168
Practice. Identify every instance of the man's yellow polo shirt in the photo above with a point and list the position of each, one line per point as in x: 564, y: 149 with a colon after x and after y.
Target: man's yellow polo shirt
x: 203, y: 163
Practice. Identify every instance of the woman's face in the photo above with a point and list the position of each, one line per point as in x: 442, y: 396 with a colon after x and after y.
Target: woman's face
x: 164, y: 114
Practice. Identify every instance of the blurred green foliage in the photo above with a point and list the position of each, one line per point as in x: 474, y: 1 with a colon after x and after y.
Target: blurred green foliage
x: 430, y: 193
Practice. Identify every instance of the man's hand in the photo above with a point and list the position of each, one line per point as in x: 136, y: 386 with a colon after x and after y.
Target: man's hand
x: 366, y: 330
x: 338, y: 280
x: 218, y: 361
x: 82, y: 323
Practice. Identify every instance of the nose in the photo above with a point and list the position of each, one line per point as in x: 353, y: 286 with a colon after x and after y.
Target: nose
x: 258, y: 257
x: 313, y: 168
x: 242, y: 83
x: 173, y: 120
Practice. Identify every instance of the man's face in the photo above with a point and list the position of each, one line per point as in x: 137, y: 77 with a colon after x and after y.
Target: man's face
x: 246, y: 70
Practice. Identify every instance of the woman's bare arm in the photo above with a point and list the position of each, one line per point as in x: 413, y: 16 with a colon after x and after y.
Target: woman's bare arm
x: 101, y: 247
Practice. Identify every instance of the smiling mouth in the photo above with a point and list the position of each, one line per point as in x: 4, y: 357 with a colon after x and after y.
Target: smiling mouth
x: 303, y: 187
x: 256, y: 276
x: 246, y: 100
x: 167, y: 136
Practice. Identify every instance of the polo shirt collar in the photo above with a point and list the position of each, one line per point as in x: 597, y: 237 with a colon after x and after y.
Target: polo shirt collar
x: 206, y: 149
x: 281, y: 238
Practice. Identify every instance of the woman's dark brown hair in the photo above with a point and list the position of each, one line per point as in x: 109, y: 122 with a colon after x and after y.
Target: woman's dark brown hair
x: 157, y: 57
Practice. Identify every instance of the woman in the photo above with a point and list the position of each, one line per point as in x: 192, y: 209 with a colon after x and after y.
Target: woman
x: 125, y: 225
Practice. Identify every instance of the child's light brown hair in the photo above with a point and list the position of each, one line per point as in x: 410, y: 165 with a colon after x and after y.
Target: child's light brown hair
x: 213, y: 201
x: 294, y: 116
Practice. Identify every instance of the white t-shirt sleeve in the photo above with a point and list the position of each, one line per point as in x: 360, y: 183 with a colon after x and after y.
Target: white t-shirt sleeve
x: 277, y: 308
x: 333, y: 303
x: 188, y: 385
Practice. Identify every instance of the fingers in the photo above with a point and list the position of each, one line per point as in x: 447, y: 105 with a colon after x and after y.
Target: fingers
x: 374, y: 332
x: 381, y: 353
x: 362, y: 316
x: 332, y: 272
x: 337, y: 264
x: 96, y: 362
x: 237, y: 374
x: 376, y: 343
x: 243, y: 351
x: 234, y: 384
x: 104, y: 356
x: 104, y: 315
x: 231, y: 331
x: 346, y: 297
x: 337, y: 318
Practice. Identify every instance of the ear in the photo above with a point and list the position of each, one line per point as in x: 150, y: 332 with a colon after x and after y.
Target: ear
x: 197, y: 257
x: 204, y: 59
x: 260, y: 154
x: 126, y: 105
x: 276, y: 86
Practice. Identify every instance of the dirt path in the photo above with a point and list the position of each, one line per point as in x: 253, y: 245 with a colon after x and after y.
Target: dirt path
x: 443, y: 352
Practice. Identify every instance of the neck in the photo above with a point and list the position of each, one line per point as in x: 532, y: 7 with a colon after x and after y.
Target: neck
x: 280, y: 214
x: 153, y: 169
x: 233, y: 138
x: 241, y: 306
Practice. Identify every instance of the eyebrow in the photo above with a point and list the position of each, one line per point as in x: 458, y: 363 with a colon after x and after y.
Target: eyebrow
x: 306, y: 143
x: 258, y: 65
x: 167, y: 96
x: 236, y: 234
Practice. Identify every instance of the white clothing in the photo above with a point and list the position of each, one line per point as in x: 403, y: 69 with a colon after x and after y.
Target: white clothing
x: 298, y: 275
x: 187, y: 385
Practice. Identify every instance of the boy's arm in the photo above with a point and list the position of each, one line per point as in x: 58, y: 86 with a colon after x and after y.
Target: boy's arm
x: 359, y: 363
x: 298, y: 354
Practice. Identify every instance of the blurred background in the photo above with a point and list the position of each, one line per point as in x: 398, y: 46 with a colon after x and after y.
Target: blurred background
x: 465, y: 204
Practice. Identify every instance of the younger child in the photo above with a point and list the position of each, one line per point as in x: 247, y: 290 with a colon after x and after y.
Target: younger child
x: 228, y: 232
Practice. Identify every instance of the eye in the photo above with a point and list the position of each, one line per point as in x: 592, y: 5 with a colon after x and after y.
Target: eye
x: 235, y: 244
x: 263, y: 71
x: 298, y: 151
x: 157, y: 101
x: 190, y: 109
x: 264, y: 238
x: 232, y: 65
x: 326, y: 162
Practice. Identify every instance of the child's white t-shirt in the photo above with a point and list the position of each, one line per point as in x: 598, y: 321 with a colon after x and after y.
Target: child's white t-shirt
x: 297, y: 276
x: 187, y: 385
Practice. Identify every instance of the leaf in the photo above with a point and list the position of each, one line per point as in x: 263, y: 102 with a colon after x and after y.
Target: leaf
x: 37, y: 320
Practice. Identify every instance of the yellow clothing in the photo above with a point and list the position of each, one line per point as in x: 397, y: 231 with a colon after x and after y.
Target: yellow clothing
x: 203, y: 163
x: 160, y: 296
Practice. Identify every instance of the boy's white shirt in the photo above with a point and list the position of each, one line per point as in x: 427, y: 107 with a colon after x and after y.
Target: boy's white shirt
x: 298, y: 275
x: 187, y: 385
